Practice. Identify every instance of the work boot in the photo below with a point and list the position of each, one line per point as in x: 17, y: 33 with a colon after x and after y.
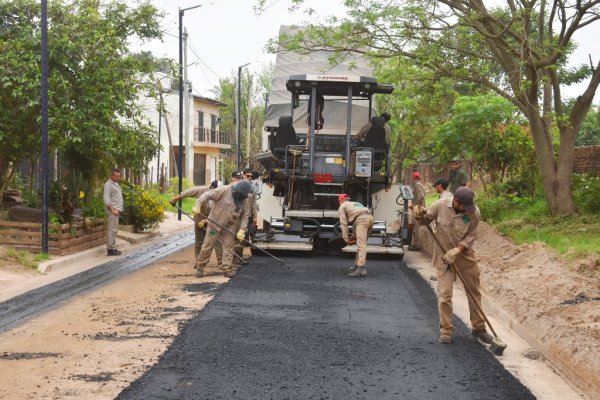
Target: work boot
x: 483, y: 335
x: 353, y: 268
x: 113, y: 252
x: 414, y: 247
x: 359, y: 271
x: 229, y: 272
x: 199, y: 272
x: 445, y: 338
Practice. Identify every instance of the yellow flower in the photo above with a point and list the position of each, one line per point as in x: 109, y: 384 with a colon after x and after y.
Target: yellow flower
x: 81, y: 194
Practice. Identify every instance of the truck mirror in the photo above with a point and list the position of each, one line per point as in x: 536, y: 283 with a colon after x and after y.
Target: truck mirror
x: 296, y: 99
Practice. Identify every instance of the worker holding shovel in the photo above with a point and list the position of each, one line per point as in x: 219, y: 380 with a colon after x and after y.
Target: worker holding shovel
x: 457, y: 220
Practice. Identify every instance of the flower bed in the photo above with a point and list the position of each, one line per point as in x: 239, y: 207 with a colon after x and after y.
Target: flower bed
x: 62, y: 238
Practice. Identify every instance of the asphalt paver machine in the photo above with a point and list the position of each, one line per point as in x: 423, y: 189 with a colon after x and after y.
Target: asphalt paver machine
x: 307, y: 171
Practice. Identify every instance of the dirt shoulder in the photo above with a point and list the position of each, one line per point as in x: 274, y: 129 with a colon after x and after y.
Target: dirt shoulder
x: 552, y: 304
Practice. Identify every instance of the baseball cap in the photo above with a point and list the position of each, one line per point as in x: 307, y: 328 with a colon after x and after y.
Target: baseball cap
x: 416, y: 175
x: 466, y: 197
x: 342, y: 197
x: 442, y: 182
x: 236, y: 174
x: 455, y: 159
x: 214, y: 184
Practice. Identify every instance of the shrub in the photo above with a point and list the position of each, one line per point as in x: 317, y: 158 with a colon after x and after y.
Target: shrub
x: 143, y: 209
x: 586, y: 191
x: 174, y: 185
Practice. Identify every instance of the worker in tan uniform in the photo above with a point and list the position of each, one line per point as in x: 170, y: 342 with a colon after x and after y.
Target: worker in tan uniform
x: 229, y: 207
x: 199, y: 233
x: 248, y: 175
x: 457, y: 221
x: 418, y: 199
x: 352, y: 212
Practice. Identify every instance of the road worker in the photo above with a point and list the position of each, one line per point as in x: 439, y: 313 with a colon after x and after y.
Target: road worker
x: 418, y: 199
x: 229, y: 207
x: 441, y: 188
x: 457, y: 220
x: 249, y: 176
x: 199, y: 233
x: 352, y: 212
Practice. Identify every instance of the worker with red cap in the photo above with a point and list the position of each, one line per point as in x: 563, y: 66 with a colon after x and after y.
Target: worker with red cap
x: 359, y: 216
x: 418, y: 199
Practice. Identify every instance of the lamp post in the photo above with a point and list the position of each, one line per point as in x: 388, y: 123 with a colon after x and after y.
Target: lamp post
x: 44, y: 107
x: 180, y: 152
x: 238, y: 115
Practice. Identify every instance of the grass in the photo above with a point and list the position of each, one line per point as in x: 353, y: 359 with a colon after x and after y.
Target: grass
x: 187, y: 203
x: 26, y: 259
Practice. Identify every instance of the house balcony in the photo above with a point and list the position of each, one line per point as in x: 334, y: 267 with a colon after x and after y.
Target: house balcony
x: 212, y: 138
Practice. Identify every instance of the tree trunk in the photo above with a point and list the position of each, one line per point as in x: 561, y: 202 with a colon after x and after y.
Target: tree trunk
x: 557, y: 172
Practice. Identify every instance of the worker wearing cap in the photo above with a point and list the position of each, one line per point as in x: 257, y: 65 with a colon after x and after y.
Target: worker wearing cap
x: 418, y: 199
x: 441, y: 188
x: 229, y: 206
x: 457, y: 220
x: 352, y: 212
x: 458, y: 176
x: 199, y: 233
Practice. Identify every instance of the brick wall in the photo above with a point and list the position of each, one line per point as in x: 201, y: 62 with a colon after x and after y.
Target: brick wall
x: 587, y: 160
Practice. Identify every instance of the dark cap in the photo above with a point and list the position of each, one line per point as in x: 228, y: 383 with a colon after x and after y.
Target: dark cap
x: 466, y: 197
x: 214, y: 184
x: 247, y: 171
x: 236, y: 174
x: 442, y: 182
x: 455, y: 159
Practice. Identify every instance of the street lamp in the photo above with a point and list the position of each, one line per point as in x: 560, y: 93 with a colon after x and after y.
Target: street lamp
x: 238, y: 115
x: 180, y: 153
x: 44, y: 106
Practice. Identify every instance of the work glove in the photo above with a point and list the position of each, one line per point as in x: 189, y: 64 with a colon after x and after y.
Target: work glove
x: 195, y: 210
x: 201, y: 223
x: 451, y: 255
x: 240, y: 235
x: 173, y: 201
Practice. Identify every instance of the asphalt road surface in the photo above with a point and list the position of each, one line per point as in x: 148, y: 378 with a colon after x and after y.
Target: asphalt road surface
x: 317, y: 334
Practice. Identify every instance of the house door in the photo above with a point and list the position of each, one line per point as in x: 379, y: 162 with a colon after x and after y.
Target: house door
x: 199, y: 169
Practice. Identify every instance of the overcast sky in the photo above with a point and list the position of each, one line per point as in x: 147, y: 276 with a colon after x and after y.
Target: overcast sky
x: 225, y: 34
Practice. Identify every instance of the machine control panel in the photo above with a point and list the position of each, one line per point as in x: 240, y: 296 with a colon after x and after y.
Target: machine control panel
x: 363, y: 164
x: 406, y: 192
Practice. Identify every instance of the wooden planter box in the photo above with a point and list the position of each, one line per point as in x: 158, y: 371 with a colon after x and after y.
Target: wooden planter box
x: 62, y: 239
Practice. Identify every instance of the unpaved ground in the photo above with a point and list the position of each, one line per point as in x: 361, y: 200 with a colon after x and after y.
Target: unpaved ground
x: 94, y: 346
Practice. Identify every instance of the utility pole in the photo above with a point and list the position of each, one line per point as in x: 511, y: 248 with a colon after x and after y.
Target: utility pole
x: 180, y: 155
x: 249, y: 115
x: 238, y: 116
x: 189, y: 153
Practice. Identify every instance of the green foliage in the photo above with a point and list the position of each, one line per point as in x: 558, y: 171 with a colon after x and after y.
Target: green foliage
x: 186, y: 204
x: 94, y: 83
x: 143, y: 209
x: 586, y: 193
x: 93, y: 207
x: 174, y: 185
x: 589, y: 134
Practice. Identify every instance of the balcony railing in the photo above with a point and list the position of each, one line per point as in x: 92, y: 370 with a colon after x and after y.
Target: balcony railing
x: 212, y: 136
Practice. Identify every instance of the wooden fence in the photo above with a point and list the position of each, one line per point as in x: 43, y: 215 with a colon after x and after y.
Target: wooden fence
x: 62, y: 239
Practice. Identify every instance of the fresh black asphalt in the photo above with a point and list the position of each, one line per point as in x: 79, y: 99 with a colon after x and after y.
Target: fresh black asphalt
x: 317, y: 334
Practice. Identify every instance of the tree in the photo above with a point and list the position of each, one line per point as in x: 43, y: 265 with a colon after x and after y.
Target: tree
x: 589, y: 134
x: 489, y: 131
x: 94, y: 83
x: 519, y: 51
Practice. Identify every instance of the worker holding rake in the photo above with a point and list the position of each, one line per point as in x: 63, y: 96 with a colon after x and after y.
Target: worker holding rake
x: 457, y: 220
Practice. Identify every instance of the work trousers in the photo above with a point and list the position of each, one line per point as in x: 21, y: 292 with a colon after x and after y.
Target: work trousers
x: 416, y: 231
x: 111, y: 231
x: 362, y: 229
x: 200, y: 234
x: 210, y: 240
x: 469, y: 270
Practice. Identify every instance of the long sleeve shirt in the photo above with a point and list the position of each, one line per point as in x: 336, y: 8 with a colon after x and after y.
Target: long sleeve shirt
x: 224, y: 212
x: 454, y: 228
x: 113, y: 196
x: 348, y: 212
x: 419, y: 194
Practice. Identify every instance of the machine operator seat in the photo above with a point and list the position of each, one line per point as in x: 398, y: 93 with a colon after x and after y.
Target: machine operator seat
x: 375, y: 139
x: 285, y: 136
